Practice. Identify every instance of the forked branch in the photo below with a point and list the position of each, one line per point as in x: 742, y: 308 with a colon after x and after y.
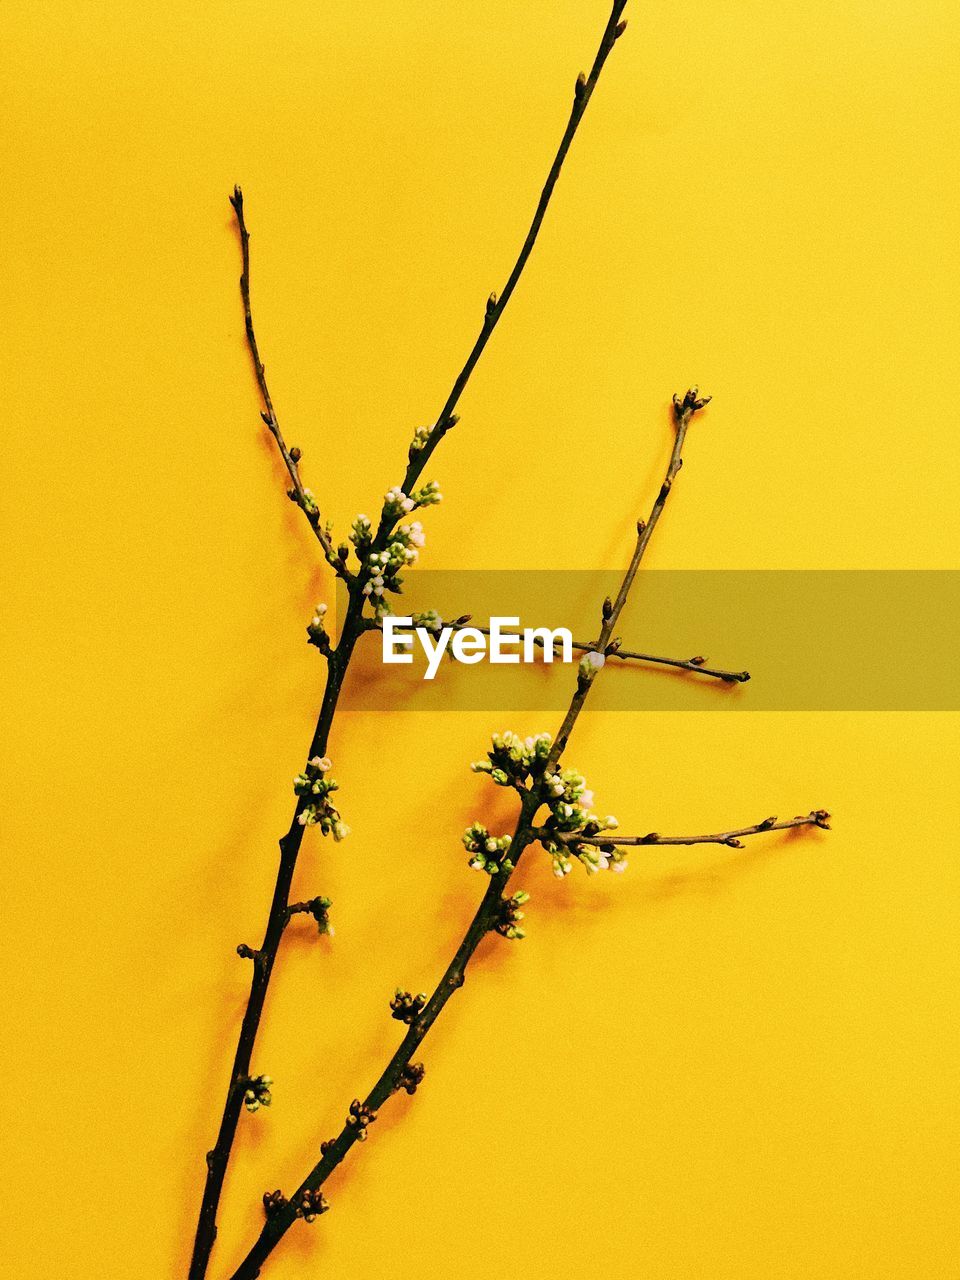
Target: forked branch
x: 338, y: 658
x: 421, y: 1013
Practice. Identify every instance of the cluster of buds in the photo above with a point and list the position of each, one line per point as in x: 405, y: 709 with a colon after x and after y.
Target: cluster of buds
x: 487, y: 851
x: 406, y: 1007
x: 513, y: 760
x: 383, y: 568
x: 360, y: 1118
x: 361, y: 534
x: 692, y: 402
x: 566, y: 796
x: 273, y: 1202
x: 411, y: 1076
x: 429, y: 619
x: 397, y: 503
x: 319, y: 810
x: 319, y: 908
x: 307, y: 501
x: 420, y: 438
x: 257, y: 1093
x: 311, y: 1204
x: 317, y: 631
x: 509, y: 919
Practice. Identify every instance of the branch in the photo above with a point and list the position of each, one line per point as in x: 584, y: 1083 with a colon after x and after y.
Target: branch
x: 338, y: 662
x: 291, y: 457
x: 683, y: 411
x: 818, y: 818
x: 496, y: 305
x: 263, y: 961
x: 422, y: 1013
x: 697, y: 666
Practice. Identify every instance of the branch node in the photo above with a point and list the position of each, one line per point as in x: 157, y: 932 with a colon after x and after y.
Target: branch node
x: 360, y: 1118
x: 311, y: 1204
x: 410, y: 1077
x: 273, y: 1202
x: 406, y: 1007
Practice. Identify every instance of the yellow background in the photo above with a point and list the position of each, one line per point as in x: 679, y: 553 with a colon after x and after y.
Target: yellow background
x: 726, y: 1066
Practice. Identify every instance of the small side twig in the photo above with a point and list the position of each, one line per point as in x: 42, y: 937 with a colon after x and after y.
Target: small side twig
x: 696, y: 666
x: 298, y: 493
x: 733, y: 839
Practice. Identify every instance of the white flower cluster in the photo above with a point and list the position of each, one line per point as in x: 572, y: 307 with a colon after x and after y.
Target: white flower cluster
x: 383, y: 567
x: 320, y: 810
x: 486, y: 850
x: 569, y: 802
x: 521, y: 763
x: 397, y: 503
x: 513, y: 759
x: 257, y: 1093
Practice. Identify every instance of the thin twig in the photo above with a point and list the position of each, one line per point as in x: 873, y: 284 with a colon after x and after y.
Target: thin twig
x: 291, y: 457
x: 696, y: 666
x: 683, y: 412
x: 487, y: 914
x: 818, y: 818
x: 496, y: 305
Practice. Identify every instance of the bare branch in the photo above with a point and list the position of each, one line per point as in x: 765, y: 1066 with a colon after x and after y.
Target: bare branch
x: 696, y: 666
x: 291, y: 457
x: 497, y: 304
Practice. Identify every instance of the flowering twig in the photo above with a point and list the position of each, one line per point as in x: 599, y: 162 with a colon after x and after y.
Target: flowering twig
x: 532, y: 768
x: 381, y: 556
x: 733, y: 839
